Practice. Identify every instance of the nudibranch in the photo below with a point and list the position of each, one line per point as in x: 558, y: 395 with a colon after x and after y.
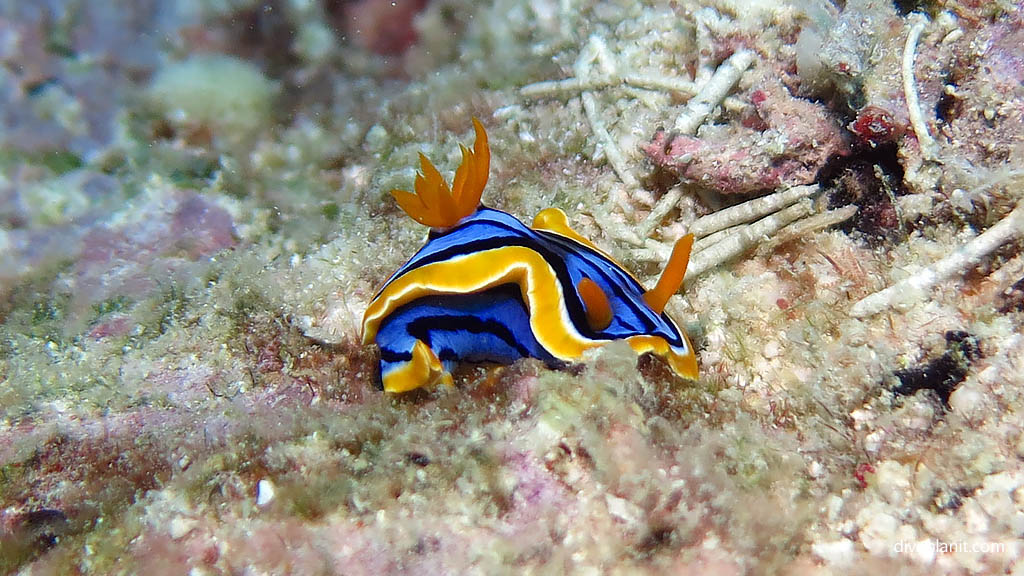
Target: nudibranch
x: 487, y: 288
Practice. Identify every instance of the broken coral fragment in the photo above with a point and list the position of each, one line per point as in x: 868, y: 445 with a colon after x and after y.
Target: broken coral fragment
x: 790, y: 142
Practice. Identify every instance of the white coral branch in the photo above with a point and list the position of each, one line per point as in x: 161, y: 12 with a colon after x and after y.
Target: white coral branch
x: 916, y: 287
x: 744, y: 238
x: 917, y: 122
x: 596, y: 49
x: 713, y: 92
x: 749, y: 210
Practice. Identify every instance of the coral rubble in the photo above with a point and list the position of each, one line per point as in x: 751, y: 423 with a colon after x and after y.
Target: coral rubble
x: 194, y: 214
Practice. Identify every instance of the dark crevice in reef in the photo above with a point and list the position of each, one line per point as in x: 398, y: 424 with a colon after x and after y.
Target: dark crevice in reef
x: 871, y: 179
x: 948, y: 106
x: 1012, y: 300
x: 30, y: 534
x: 943, y: 374
x: 905, y: 7
x: 262, y: 34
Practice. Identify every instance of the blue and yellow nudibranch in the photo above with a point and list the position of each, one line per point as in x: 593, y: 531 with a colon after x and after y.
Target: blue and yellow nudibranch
x: 487, y: 288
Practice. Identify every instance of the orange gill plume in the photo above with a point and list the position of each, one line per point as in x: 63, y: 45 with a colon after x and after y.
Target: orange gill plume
x: 435, y: 204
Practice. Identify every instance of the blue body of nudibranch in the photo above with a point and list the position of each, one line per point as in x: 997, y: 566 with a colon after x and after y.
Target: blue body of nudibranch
x: 486, y: 287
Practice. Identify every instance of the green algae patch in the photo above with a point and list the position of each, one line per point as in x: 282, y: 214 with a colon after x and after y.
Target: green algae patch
x: 229, y: 97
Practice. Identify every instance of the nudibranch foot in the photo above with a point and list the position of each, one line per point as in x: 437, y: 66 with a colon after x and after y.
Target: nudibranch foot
x: 487, y: 288
x: 420, y: 368
x: 488, y: 326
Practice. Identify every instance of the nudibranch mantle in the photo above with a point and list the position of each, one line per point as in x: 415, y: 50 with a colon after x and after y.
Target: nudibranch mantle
x: 487, y: 288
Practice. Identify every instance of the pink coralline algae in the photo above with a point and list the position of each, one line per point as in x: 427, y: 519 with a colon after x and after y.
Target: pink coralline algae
x: 201, y: 228
x: 784, y: 143
x: 988, y: 100
x: 125, y: 260
x: 385, y: 27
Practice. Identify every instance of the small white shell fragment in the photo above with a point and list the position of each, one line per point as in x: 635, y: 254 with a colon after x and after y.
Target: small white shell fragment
x: 265, y: 492
x: 181, y: 526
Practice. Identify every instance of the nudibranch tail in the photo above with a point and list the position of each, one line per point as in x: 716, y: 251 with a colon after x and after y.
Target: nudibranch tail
x: 436, y: 205
x: 672, y: 278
